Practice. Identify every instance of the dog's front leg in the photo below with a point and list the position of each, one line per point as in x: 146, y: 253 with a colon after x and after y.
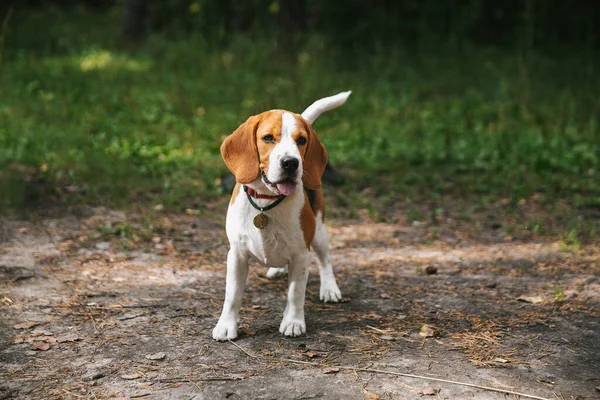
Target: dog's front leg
x: 293, y: 317
x: 237, y: 272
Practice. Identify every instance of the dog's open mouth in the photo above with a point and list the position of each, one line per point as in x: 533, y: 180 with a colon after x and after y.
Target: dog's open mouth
x: 285, y: 187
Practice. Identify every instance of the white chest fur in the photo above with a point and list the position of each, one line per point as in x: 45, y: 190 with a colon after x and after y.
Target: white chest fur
x: 275, y: 245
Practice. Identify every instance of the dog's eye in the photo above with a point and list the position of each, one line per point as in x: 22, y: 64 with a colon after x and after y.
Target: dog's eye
x: 301, y: 141
x: 269, y: 139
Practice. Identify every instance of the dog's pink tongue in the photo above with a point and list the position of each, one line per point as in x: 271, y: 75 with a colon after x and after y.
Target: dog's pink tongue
x: 286, y: 188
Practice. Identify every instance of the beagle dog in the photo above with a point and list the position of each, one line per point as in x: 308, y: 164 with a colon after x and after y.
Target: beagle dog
x: 276, y: 212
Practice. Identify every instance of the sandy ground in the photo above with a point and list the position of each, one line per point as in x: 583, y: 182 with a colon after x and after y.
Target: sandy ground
x: 102, y: 304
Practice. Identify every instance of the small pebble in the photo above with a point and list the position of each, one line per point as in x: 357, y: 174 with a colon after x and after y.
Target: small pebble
x: 103, y: 245
x: 431, y: 270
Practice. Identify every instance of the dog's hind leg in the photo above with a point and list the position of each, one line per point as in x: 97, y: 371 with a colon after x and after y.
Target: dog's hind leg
x: 329, y: 292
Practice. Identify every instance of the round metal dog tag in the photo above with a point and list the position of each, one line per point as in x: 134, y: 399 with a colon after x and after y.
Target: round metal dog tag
x: 261, y: 221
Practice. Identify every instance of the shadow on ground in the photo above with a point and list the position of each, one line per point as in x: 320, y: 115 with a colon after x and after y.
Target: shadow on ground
x: 102, y: 304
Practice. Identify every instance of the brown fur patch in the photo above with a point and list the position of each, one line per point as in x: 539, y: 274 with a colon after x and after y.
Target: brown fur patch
x: 270, y: 125
x: 319, y: 204
x: 239, y: 151
x: 308, y: 224
x: 315, y: 158
x: 235, y: 192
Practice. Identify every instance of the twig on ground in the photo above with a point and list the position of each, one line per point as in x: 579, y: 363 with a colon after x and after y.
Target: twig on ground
x: 93, y: 320
x: 112, y: 307
x: 379, y: 330
x: 73, y: 394
x: 379, y: 371
x: 205, y: 379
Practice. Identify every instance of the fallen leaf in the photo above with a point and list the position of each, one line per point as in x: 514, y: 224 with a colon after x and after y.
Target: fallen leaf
x: 170, y: 248
x: 428, y: 331
x: 369, y: 395
x: 66, y: 245
x: 385, y: 296
x: 385, y: 337
x: 6, y: 301
x: 156, y: 356
x: 429, y: 391
x: 25, y: 325
x: 43, y: 346
x: 69, y: 337
x: 247, y: 330
x: 531, y: 299
x: 500, y: 360
x: 131, y: 376
x: 40, y: 331
x: 50, y: 339
x: 331, y: 370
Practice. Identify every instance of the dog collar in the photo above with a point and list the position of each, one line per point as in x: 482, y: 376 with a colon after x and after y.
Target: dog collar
x: 261, y: 220
x: 252, y: 193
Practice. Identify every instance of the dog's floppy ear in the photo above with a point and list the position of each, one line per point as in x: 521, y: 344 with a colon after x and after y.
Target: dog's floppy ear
x: 240, y: 153
x: 315, y: 160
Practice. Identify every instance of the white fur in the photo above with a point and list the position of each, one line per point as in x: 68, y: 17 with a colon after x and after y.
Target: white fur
x: 280, y: 245
x: 286, y: 147
x: 329, y: 289
x: 325, y: 104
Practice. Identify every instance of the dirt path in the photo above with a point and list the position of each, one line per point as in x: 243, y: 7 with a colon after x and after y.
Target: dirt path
x: 100, y: 304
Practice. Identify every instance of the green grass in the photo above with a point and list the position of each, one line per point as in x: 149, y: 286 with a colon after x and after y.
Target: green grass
x: 83, y: 119
x: 569, y: 242
x: 558, y: 293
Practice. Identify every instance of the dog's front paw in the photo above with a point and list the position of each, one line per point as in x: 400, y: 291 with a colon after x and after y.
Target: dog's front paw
x: 292, y: 326
x: 274, y: 273
x: 330, y: 293
x: 225, y: 330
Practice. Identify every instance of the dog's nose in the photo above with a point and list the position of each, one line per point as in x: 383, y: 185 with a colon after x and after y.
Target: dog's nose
x: 289, y: 164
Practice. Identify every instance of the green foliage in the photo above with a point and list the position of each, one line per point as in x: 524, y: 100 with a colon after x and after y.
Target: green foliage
x: 78, y: 112
x: 569, y: 242
x: 120, y: 230
x: 558, y: 293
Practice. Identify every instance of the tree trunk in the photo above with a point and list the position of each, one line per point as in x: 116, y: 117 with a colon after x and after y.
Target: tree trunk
x: 133, y: 26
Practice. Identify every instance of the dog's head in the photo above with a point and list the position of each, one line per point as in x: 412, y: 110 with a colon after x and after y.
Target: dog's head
x: 279, y: 147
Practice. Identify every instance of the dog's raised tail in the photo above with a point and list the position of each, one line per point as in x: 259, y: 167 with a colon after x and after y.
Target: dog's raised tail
x: 317, y: 108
